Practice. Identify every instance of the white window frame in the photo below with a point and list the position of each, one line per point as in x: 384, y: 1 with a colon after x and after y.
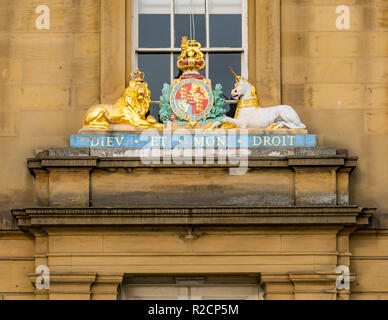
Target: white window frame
x: 205, y: 49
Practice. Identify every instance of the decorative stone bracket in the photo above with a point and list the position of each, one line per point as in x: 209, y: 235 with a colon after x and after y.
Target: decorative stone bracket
x: 303, y: 286
x: 80, y: 286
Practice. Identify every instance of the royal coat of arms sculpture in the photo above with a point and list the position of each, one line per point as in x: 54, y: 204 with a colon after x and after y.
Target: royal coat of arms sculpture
x: 190, y: 99
x: 190, y: 102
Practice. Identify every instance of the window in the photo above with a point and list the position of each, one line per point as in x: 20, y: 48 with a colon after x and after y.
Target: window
x: 191, y: 288
x: 219, y: 25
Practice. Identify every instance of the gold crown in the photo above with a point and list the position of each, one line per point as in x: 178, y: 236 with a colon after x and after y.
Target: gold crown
x: 191, y: 58
x: 137, y: 76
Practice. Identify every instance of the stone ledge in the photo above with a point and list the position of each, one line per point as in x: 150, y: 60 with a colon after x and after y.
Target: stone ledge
x: 135, y: 153
x: 232, y: 216
x: 87, y: 277
x: 114, y: 158
x: 89, y: 181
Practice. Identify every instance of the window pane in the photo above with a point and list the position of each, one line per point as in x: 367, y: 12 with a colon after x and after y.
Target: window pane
x: 183, y: 9
x: 156, y: 68
x: 176, y: 71
x: 219, y: 64
x: 225, y: 30
x: 154, y: 30
x: 154, y: 23
x: 190, y: 6
x: 182, y: 28
x: 154, y: 6
x: 225, y: 6
x: 225, y: 23
x: 154, y: 110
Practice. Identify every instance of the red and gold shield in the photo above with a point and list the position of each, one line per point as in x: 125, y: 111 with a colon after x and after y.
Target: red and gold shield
x: 191, y: 99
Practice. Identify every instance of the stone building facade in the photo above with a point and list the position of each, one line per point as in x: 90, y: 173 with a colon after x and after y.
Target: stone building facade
x: 84, y: 215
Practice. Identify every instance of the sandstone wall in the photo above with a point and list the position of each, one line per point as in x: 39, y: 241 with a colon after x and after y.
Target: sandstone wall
x: 47, y: 80
x: 338, y: 82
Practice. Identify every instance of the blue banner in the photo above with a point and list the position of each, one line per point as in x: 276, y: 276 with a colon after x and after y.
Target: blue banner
x: 139, y: 141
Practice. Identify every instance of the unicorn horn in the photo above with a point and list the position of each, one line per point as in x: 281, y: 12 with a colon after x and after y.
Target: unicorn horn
x: 235, y: 75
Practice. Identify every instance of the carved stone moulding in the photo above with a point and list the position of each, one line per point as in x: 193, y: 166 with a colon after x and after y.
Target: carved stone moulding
x: 76, y: 177
x: 190, y: 216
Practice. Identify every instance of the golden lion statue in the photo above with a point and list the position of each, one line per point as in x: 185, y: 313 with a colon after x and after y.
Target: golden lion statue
x: 130, y: 109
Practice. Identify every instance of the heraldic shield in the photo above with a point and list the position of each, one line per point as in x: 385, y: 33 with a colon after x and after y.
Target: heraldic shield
x: 191, y: 99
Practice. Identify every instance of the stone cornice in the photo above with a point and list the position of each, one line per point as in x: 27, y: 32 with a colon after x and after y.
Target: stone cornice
x: 258, y: 158
x: 185, y: 216
x: 91, y: 163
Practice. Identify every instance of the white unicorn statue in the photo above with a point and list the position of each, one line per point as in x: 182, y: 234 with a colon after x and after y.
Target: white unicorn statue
x: 250, y: 115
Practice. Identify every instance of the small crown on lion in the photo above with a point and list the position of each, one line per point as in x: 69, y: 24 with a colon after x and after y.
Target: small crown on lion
x: 137, y: 76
